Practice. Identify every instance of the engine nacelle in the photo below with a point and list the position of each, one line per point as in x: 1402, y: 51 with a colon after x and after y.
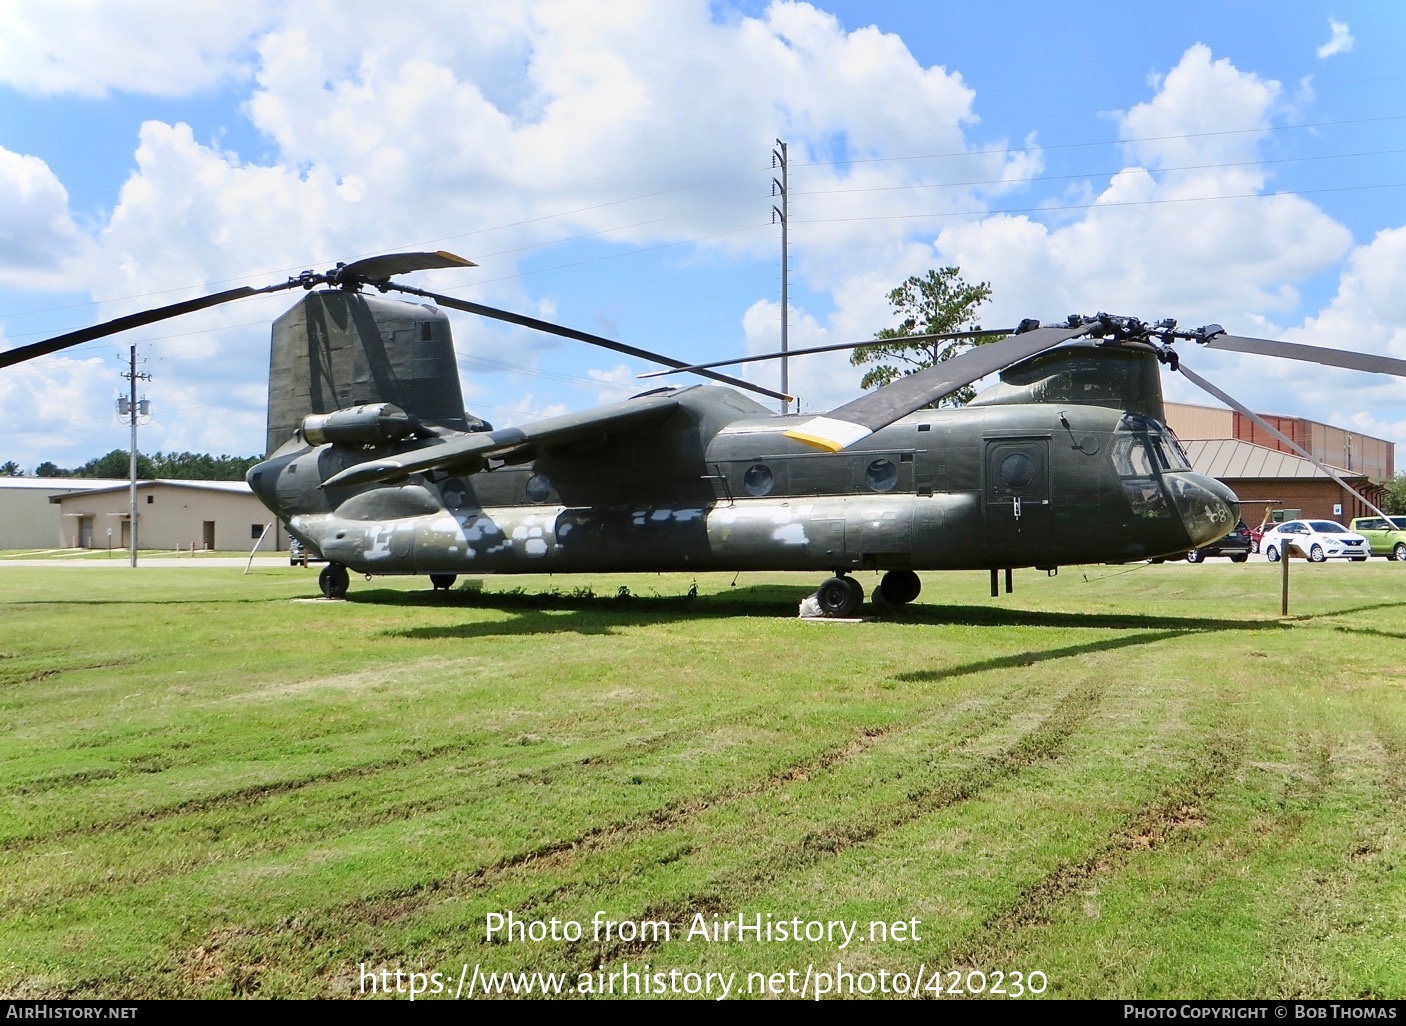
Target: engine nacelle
x: 374, y: 424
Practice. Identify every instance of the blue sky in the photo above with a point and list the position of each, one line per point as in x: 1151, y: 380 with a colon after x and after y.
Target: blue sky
x: 610, y: 168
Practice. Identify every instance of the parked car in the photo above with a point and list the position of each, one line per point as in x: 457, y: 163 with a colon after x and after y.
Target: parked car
x: 1236, y: 545
x: 1385, y: 535
x: 1256, y: 534
x: 1317, y: 539
x: 300, y: 556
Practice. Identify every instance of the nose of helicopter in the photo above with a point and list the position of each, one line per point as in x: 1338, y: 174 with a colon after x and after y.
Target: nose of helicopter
x: 262, y: 480
x: 1208, y: 509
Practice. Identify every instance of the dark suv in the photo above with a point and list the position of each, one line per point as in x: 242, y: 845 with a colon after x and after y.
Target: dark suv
x: 1236, y: 545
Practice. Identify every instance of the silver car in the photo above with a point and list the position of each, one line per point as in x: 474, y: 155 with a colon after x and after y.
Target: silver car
x: 1316, y: 539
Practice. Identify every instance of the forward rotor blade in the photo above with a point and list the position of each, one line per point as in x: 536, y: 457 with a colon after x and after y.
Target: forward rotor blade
x: 1309, y: 354
x: 18, y: 355
x: 842, y: 427
x: 827, y: 349
x: 582, y: 336
x: 1264, y: 425
x: 377, y: 267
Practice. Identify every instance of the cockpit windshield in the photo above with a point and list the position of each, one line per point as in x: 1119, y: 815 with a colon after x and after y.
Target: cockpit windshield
x: 1144, y: 448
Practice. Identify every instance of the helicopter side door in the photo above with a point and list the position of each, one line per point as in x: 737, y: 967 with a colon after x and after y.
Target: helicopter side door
x: 1016, y: 500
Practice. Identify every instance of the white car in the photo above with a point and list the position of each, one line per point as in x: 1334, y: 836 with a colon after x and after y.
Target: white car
x: 1316, y: 539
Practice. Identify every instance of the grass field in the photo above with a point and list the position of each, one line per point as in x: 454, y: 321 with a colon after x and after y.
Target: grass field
x: 1136, y: 782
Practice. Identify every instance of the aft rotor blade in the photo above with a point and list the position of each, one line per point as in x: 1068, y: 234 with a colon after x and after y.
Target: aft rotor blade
x: 384, y: 266
x: 842, y: 427
x: 1309, y: 354
x: 1264, y: 425
x: 582, y: 336
x: 18, y: 355
x: 905, y: 339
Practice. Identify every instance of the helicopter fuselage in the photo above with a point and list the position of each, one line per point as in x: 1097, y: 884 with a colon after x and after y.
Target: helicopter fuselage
x: 717, y: 485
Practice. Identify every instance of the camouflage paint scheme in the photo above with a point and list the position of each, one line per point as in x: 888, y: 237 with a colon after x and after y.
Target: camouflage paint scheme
x: 1065, y: 461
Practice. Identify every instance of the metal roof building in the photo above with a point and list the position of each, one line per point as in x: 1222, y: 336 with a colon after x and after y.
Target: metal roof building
x: 171, y: 515
x: 1267, y: 479
x: 27, y: 519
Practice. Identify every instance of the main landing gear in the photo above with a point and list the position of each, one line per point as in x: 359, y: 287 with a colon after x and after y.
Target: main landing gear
x: 334, y: 580
x: 842, y: 595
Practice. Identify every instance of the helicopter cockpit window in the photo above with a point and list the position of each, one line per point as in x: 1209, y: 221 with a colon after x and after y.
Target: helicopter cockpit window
x: 1131, y: 457
x: 1142, y: 447
x: 1140, y: 454
x: 881, y: 475
x: 539, y: 488
x: 758, y: 480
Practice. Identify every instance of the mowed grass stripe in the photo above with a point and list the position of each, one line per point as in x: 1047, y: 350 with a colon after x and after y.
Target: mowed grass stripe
x: 832, y: 730
x: 447, y: 833
x: 916, y: 772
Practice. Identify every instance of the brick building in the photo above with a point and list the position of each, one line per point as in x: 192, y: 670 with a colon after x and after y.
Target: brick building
x: 1267, y: 475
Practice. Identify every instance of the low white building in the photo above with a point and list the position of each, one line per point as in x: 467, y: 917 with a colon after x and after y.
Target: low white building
x: 28, y: 520
x: 171, y: 515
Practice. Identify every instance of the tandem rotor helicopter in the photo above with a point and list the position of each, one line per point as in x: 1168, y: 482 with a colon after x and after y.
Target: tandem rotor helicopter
x: 375, y: 466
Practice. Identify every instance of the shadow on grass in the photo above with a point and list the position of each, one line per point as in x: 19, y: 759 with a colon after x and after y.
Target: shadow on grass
x: 1022, y: 659
x: 1370, y: 632
x: 1354, y: 609
x: 541, y: 612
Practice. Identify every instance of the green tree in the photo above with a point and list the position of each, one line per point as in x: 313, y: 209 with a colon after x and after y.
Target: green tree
x: 1394, y: 498
x: 939, y: 303
x: 177, y: 466
x: 50, y: 469
x: 199, y: 466
x: 115, y: 464
x: 11, y: 469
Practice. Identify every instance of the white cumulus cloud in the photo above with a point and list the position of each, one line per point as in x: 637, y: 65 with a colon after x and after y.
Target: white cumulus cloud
x: 1339, y: 42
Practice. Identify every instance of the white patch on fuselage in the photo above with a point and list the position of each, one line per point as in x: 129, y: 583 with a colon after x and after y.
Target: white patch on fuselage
x: 481, y: 528
x: 778, y: 515
x: 379, y: 545
x: 791, y: 534
x: 535, y: 547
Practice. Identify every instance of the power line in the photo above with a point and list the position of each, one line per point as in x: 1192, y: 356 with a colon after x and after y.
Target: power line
x: 1107, y: 205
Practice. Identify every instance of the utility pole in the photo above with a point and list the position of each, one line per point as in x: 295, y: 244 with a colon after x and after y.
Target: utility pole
x: 778, y: 159
x: 131, y: 411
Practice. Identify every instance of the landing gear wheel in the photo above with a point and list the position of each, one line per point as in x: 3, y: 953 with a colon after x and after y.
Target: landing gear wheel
x: 443, y: 582
x: 1196, y: 556
x: 1358, y: 559
x: 898, y: 587
x: 1240, y: 558
x: 1315, y: 554
x: 334, y: 580
x: 1399, y: 553
x: 1271, y: 554
x: 839, y: 596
